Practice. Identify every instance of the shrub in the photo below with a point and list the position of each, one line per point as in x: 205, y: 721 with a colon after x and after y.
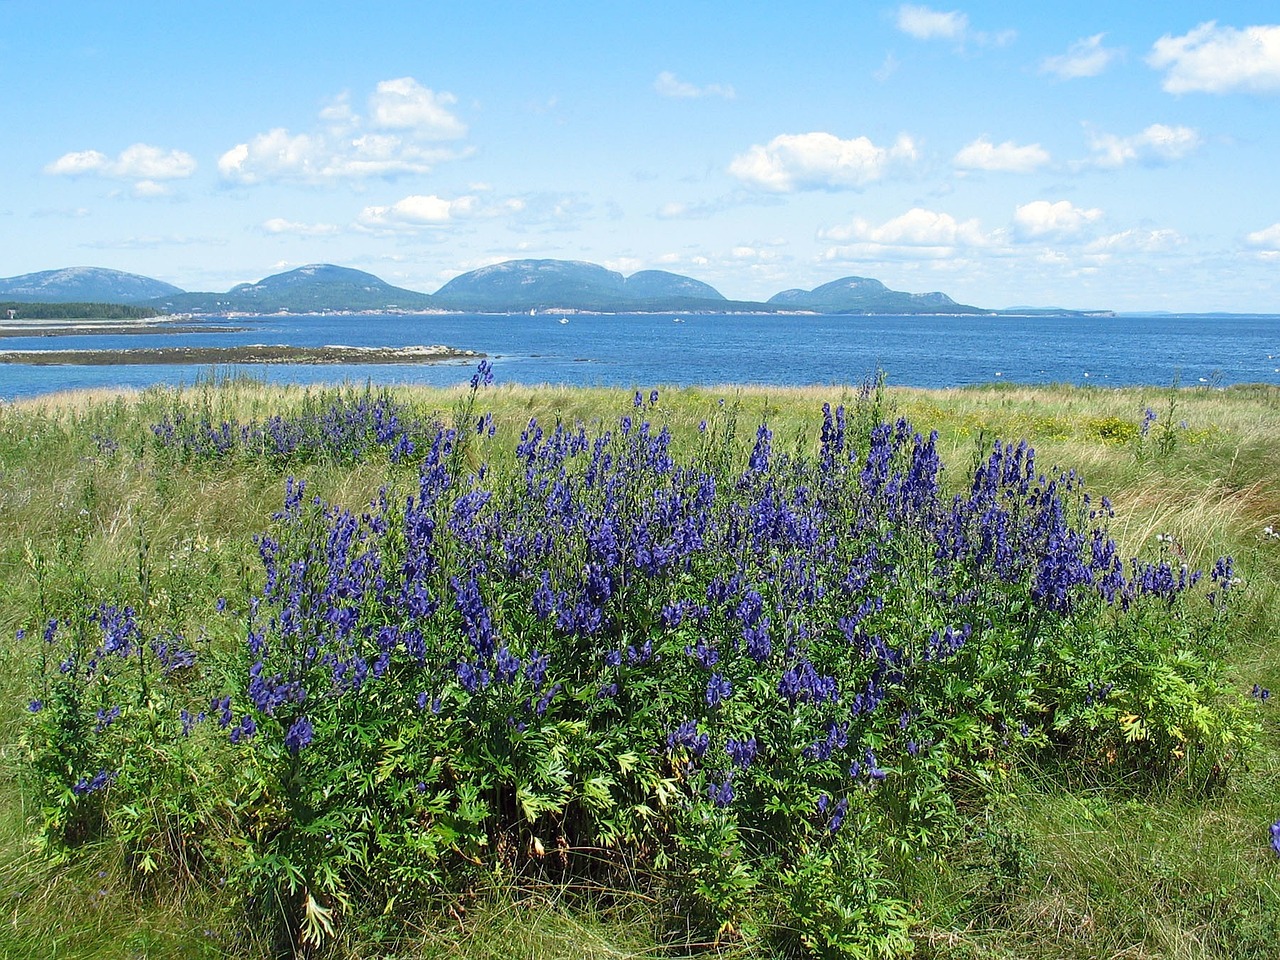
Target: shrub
x: 753, y: 677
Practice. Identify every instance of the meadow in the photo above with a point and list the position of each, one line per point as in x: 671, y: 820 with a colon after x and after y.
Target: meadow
x: 506, y: 671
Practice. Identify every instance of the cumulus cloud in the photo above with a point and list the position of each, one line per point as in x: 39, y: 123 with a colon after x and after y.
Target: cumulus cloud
x: 1265, y: 243
x: 140, y: 163
x: 405, y: 104
x: 1006, y: 157
x: 1214, y: 59
x: 669, y: 85
x: 819, y: 161
x: 1084, y: 58
x: 418, y: 211
x: 1041, y: 219
x: 918, y: 234
x: 924, y: 23
x: 421, y: 211
x: 401, y: 133
x: 1158, y: 144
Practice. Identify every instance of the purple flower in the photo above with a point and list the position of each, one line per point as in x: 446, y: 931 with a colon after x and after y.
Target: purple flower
x: 1275, y: 837
x: 721, y: 794
x: 686, y: 735
x: 718, y: 688
x: 35, y: 706
x: 300, y: 734
x: 741, y: 752
x: 483, y: 377
x: 87, y: 785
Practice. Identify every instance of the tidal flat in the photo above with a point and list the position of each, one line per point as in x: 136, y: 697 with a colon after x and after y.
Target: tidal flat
x: 248, y: 353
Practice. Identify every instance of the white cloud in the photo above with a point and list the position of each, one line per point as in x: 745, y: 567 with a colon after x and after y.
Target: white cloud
x: 401, y: 135
x: 1041, y: 219
x: 140, y: 163
x: 81, y: 162
x: 748, y: 253
x: 924, y: 23
x: 1156, y: 145
x: 818, y: 161
x: 280, y: 225
x: 918, y: 234
x: 420, y: 211
x: 625, y: 265
x: 1084, y: 58
x: 668, y: 85
x: 1007, y: 157
x: 1266, y: 239
x: 405, y: 104
x: 417, y: 211
x: 1213, y: 59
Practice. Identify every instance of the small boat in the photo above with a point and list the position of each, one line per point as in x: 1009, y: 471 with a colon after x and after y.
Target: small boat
x: 564, y: 319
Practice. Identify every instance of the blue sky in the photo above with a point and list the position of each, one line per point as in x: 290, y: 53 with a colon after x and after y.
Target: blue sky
x: 1121, y: 155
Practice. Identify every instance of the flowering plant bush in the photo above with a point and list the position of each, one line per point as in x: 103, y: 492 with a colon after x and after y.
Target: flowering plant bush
x: 757, y: 675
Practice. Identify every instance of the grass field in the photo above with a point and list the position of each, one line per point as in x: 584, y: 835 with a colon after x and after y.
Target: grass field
x: 1052, y: 861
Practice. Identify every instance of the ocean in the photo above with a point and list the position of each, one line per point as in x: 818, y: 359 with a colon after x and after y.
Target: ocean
x: 650, y: 350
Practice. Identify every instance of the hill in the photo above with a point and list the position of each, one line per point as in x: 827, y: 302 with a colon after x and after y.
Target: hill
x: 514, y: 286
x: 519, y: 285
x: 311, y: 289
x: 84, y: 285
x: 865, y: 295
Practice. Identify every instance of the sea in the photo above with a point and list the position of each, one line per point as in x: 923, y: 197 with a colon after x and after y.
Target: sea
x: 652, y: 350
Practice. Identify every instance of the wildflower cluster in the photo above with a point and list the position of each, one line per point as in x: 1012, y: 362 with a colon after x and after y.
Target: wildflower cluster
x: 107, y: 714
x: 343, y: 425
x: 758, y: 670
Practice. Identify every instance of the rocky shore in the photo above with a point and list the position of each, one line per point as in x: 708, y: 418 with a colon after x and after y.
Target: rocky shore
x: 249, y: 353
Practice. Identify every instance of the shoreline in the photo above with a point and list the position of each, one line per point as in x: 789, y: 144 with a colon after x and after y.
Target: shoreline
x: 248, y: 354
x: 83, y: 328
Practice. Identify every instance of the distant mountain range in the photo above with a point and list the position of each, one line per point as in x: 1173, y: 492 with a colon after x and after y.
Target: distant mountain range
x: 84, y: 285
x: 515, y: 286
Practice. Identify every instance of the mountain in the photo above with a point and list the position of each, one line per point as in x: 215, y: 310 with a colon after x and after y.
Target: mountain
x: 84, y: 285
x: 656, y: 284
x: 515, y: 286
x: 519, y: 285
x: 865, y: 295
x: 528, y: 284
x: 311, y: 289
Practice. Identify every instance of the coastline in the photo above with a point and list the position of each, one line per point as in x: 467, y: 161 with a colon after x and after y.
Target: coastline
x: 250, y: 353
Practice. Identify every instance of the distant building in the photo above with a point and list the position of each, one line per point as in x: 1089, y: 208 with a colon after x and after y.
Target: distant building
x: 12, y: 313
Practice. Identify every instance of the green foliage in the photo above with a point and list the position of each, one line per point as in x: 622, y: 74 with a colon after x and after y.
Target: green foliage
x: 76, y: 311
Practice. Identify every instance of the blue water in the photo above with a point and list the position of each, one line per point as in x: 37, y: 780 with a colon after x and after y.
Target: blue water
x: 649, y: 350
